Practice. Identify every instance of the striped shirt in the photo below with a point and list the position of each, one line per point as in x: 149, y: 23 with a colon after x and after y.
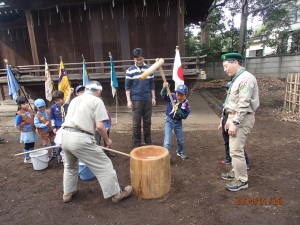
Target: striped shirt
x: 139, y: 89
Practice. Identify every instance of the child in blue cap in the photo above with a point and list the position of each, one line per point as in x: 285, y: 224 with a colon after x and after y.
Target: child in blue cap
x: 174, y: 116
x: 43, y: 124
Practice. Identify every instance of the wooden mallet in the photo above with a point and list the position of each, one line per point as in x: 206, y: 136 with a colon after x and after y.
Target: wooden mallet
x: 161, y: 71
x: 152, y: 69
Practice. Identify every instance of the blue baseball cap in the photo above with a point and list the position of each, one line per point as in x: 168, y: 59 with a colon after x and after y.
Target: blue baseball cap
x: 39, y: 103
x: 183, y: 89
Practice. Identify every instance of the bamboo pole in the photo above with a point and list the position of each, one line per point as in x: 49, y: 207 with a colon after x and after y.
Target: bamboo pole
x: 161, y: 71
x: 115, y: 151
x: 290, y: 90
x: 36, y: 150
x: 294, y: 93
x: 286, y: 91
x: 57, y: 146
x: 297, y: 93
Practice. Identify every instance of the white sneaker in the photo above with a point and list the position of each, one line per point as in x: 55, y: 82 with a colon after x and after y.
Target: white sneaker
x: 27, y: 160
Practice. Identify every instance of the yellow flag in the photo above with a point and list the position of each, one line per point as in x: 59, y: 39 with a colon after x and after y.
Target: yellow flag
x: 63, y: 81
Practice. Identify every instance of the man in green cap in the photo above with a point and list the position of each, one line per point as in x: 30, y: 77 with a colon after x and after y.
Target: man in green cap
x: 241, y: 103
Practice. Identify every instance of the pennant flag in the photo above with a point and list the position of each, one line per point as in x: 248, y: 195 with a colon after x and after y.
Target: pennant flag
x: 48, y: 83
x: 113, y: 77
x: 85, y: 76
x: 63, y: 81
x: 177, y: 69
x: 13, y: 86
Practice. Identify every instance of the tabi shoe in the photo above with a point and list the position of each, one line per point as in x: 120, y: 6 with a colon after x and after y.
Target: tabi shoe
x: 226, y: 162
x: 182, y: 155
x: 122, y: 195
x: 69, y: 196
x: 228, y: 176
x: 27, y: 160
x: 236, y: 185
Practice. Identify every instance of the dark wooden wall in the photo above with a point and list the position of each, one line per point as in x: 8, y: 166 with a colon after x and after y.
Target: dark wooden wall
x: 15, y: 46
x: 96, y: 31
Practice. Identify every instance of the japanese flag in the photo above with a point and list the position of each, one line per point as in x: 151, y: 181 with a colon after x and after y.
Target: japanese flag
x: 177, y: 70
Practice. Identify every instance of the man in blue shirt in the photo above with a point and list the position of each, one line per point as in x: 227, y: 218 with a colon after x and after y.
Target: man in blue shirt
x: 140, y: 96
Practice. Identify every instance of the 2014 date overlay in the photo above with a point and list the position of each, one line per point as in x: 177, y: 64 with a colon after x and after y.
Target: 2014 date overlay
x: 258, y: 201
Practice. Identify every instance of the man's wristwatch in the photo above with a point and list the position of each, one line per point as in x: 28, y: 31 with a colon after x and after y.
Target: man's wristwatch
x: 235, y: 123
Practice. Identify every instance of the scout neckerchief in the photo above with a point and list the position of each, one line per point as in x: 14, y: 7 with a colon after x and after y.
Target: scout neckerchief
x: 231, y: 83
x: 174, y: 110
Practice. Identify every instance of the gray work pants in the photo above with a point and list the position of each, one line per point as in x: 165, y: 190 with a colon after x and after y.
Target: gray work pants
x: 83, y: 146
x: 236, y: 146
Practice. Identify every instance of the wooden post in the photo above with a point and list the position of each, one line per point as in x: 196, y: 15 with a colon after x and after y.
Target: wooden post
x: 30, y: 27
x: 150, y: 171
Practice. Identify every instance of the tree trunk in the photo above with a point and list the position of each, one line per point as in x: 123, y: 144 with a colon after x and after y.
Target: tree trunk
x: 243, y: 26
x: 204, y: 35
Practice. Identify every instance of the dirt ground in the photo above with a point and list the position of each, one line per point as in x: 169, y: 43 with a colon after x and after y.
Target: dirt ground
x: 197, y: 194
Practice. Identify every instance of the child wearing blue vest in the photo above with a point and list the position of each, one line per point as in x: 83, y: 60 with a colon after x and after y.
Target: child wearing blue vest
x: 58, y: 113
x: 43, y: 125
x: 174, y: 117
x: 24, y: 122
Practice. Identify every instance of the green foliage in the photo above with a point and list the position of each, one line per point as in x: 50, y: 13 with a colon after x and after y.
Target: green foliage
x: 213, y: 49
x: 191, y: 41
x: 276, y: 23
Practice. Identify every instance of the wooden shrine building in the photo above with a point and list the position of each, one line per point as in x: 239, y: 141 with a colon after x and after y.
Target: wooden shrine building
x: 34, y: 30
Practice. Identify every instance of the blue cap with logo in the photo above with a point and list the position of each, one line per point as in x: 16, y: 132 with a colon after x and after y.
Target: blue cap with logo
x: 183, y: 89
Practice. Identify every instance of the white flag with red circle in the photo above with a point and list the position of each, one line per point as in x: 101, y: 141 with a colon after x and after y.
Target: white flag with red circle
x: 177, y: 70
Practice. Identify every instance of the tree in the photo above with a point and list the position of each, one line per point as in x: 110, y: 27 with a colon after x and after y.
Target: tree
x: 191, y: 41
x: 272, y: 12
x: 260, y: 7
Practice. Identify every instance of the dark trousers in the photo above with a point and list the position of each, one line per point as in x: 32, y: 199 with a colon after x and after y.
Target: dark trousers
x: 226, y: 141
x: 29, y: 146
x: 142, y: 110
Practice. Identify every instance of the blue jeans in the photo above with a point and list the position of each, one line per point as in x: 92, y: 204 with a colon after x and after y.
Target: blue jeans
x: 171, y: 124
